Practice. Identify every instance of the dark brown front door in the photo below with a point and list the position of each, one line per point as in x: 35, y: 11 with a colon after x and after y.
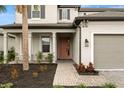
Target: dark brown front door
x: 63, y: 48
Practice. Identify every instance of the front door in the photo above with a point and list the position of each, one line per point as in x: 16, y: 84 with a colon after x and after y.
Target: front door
x: 64, y: 48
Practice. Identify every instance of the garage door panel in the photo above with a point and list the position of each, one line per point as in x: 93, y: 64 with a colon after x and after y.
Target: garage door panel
x: 109, y: 51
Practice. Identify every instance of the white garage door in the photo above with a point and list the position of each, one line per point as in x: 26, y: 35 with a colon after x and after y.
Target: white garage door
x: 109, y: 51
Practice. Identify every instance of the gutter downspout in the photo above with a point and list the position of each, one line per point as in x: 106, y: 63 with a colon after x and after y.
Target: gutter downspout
x: 79, y: 44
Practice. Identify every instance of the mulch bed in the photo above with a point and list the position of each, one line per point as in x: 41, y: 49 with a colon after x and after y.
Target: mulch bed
x: 86, y: 73
x: 38, y: 76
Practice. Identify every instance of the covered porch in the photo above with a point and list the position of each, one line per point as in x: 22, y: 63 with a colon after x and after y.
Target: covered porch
x: 58, y: 42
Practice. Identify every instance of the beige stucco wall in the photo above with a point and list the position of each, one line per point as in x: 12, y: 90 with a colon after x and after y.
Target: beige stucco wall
x: 50, y: 16
x: 106, y: 27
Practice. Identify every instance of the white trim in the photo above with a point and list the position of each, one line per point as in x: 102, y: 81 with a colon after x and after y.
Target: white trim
x: 109, y: 69
x: 40, y: 44
x: 92, y: 47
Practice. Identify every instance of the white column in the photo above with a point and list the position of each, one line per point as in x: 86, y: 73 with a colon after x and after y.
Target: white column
x: 30, y: 46
x: 54, y: 48
x: 20, y: 53
x: 5, y: 46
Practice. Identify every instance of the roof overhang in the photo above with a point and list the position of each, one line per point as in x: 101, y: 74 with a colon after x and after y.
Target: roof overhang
x: 69, y: 6
x: 39, y: 26
x: 77, y: 20
x: 100, y: 9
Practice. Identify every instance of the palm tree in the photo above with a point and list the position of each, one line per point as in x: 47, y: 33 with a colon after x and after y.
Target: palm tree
x: 2, y: 8
x: 23, y: 10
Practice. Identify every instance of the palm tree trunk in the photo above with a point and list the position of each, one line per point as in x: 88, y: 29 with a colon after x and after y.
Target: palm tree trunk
x: 25, y: 38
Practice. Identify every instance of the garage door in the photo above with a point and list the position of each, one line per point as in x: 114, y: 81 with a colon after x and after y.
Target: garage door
x: 109, y: 51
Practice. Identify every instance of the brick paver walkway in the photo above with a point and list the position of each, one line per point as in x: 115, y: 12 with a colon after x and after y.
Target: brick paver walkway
x: 67, y: 75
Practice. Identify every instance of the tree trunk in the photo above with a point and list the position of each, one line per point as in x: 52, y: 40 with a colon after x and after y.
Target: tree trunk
x: 25, y: 38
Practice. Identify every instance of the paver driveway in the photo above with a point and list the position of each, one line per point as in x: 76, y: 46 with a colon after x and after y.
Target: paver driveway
x: 116, y: 77
x: 67, y: 75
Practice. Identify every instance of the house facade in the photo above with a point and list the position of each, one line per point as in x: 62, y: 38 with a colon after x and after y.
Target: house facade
x: 70, y: 32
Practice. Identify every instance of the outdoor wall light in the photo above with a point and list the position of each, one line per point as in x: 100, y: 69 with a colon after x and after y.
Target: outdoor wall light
x: 86, y: 43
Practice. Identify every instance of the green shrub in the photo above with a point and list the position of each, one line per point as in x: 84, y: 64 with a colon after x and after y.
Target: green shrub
x: 109, y: 85
x: 39, y: 57
x: 1, y: 57
x: 81, y: 86
x: 6, y: 85
x: 58, y: 86
x: 50, y: 58
x: 11, y: 55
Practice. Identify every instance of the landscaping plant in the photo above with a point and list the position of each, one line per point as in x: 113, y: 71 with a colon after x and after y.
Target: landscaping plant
x: 35, y: 74
x: 6, y: 85
x: 90, y: 68
x: 81, y: 86
x: 50, y: 58
x: 39, y: 57
x: 109, y: 85
x: 14, y: 73
x: 1, y: 57
x: 82, y: 68
x: 11, y: 55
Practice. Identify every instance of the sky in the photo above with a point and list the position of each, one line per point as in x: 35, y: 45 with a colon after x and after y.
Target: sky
x: 9, y: 16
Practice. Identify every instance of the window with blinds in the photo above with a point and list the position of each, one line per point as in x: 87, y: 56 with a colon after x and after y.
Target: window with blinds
x: 45, y: 44
x: 37, y: 11
x: 64, y: 14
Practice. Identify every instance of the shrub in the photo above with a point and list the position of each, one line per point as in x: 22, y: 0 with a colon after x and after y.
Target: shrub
x: 81, y: 86
x: 11, y: 55
x: 39, y: 57
x: 81, y: 68
x: 109, y: 85
x: 42, y: 68
x: 90, y: 68
x: 1, y: 57
x: 58, y: 86
x: 6, y: 85
x: 17, y: 58
x: 14, y: 73
x: 50, y: 58
x: 35, y: 74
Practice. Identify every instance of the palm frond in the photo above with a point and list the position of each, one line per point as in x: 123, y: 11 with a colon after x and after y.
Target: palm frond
x: 2, y: 9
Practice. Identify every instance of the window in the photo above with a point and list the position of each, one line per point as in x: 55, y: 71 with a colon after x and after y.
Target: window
x: 45, y: 44
x: 64, y: 14
x: 36, y: 11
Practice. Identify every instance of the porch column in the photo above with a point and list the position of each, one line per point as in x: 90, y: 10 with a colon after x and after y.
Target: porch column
x: 30, y: 48
x: 5, y: 46
x: 54, y: 47
x: 20, y: 47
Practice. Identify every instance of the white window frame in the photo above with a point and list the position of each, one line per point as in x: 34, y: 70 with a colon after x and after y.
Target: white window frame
x: 64, y: 9
x: 32, y: 13
x: 41, y: 44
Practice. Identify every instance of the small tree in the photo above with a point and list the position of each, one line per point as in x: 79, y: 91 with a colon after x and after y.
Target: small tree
x: 39, y: 57
x: 1, y: 57
x: 11, y: 54
x: 50, y: 58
